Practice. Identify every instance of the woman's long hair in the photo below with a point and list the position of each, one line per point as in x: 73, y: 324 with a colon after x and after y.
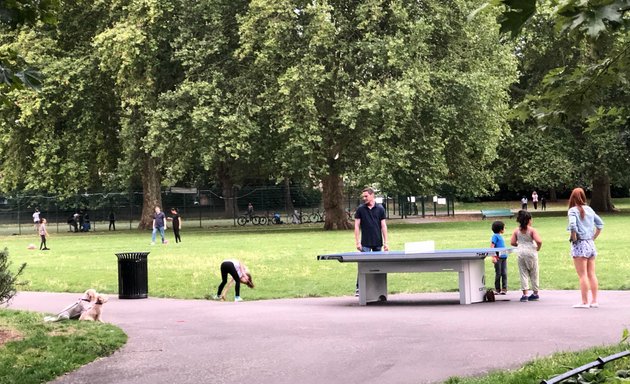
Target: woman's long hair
x: 250, y: 283
x: 578, y: 199
x: 522, y: 218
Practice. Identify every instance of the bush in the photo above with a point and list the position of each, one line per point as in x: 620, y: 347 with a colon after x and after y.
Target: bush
x: 8, y: 280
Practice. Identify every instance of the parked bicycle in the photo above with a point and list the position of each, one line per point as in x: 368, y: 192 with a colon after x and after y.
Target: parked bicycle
x: 318, y: 217
x: 299, y: 217
x: 255, y: 220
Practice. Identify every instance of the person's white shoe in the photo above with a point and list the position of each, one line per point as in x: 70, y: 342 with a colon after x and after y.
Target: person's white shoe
x: 583, y: 306
x: 594, y: 305
x: 238, y: 298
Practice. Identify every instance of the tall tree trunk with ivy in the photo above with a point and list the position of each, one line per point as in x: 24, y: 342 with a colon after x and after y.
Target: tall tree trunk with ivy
x: 151, y: 191
x: 601, y: 200
x: 333, y: 197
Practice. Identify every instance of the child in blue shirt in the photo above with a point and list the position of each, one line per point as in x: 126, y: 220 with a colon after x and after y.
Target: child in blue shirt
x: 500, y: 259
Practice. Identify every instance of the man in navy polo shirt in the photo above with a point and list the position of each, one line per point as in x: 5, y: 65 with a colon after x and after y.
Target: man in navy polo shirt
x: 370, y: 226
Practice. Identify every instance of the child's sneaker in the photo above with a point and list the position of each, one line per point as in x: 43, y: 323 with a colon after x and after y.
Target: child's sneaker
x: 503, y: 292
x: 524, y: 299
x: 238, y: 298
x: 533, y: 297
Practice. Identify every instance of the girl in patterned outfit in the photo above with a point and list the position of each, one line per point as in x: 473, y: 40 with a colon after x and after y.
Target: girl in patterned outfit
x: 526, y: 238
x: 43, y: 233
x: 585, y: 227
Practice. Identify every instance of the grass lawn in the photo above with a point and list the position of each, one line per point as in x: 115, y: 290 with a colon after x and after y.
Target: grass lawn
x: 558, y: 363
x: 283, y: 263
x: 35, y: 352
x: 283, y: 258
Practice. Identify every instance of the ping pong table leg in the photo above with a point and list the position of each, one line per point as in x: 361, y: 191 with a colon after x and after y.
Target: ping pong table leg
x: 372, y: 287
x: 472, y: 285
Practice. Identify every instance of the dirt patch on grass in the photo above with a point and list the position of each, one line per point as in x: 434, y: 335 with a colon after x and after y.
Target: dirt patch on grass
x: 7, y: 335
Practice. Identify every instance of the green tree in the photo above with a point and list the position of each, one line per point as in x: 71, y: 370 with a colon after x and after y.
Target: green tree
x: 586, y: 95
x: 135, y: 51
x: 8, y: 279
x: 206, y: 121
x: 63, y: 139
x: 14, y: 72
x: 404, y: 94
x: 588, y: 17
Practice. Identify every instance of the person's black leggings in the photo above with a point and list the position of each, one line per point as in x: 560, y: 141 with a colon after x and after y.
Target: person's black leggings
x: 228, y: 267
x: 176, y: 233
x: 42, y: 245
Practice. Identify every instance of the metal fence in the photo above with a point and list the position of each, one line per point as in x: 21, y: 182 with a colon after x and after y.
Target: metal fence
x: 197, y: 207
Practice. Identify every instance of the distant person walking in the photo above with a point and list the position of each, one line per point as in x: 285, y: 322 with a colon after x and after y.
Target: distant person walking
x: 43, y: 233
x: 370, y: 227
x: 535, y: 199
x: 159, y: 224
x: 543, y: 203
x: 176, y: 224
x: 524, y: 203
x: 36, y: 219
x: 585, y: 226
x: 526, y: 238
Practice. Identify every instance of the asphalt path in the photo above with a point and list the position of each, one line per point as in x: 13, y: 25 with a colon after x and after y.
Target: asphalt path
x: 419, y: 338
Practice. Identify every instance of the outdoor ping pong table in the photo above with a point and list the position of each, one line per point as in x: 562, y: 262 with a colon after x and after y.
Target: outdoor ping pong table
x: 374, y: 266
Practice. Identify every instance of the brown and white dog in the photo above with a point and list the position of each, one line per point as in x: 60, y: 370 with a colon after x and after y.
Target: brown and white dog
x: 95, y: 311
x: 74, y: 311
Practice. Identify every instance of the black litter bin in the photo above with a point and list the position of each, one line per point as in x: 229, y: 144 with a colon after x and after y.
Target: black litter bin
x: 132, y: 275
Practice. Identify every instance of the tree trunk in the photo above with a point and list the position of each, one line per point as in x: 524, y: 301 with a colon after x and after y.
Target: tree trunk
x: 553, y: 196
x: 228, y: 197
x: 601, y: 201
x: 336, y: 217
x: 152, y: 196
x: 288, y: 199
x: 229, y: 194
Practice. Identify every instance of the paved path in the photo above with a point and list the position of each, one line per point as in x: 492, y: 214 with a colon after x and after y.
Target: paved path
x: 420, y: 338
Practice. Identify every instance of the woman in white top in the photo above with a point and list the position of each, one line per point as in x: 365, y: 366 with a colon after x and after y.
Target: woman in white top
x: 239, y: 273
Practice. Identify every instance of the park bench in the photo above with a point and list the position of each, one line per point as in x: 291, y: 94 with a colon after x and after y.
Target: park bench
x: 485, y: 213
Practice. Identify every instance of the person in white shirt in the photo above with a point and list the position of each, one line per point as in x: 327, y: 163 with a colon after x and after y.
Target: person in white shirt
x: 36, y: 219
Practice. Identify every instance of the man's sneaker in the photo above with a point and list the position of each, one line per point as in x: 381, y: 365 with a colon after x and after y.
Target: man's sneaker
x: 524, y: 299
x: 503, y: 292
x: 533, y: 297
x: 238, y: 298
